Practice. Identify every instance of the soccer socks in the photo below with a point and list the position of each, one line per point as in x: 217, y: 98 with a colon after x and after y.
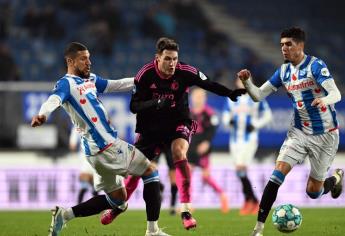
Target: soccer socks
x: 212, y: 183
x: 152, y: 196
x: 270, y: 194
x: 329, y: 183
x: 131, y: 183
x: 91, y: 207
x: 173, y: 191
x: 183, y: 180
x: 247, y: 189
x: 81, y: 195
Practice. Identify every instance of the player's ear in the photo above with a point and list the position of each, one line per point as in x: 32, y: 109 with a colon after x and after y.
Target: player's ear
x: 69, y: 61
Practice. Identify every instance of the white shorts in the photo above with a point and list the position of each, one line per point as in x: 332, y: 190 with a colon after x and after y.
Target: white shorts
x: 85, y: 167
x: 243, y: 153
x: 115, y: 163
x: 321, y: 150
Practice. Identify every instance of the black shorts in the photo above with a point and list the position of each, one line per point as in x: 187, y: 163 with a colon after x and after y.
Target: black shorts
x: 152, y: 144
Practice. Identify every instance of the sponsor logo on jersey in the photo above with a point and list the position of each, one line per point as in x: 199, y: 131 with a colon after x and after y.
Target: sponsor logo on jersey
x: 301, y: 85
x: 153, y: 86
x: 82, y: 89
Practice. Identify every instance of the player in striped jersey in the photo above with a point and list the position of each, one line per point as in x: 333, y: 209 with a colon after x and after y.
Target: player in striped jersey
x: 163, y: 118
x: 77, y: 92
x: 245, y: 117
x: 314, y: 129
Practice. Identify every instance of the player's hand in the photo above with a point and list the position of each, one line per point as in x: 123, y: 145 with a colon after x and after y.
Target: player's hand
x: 163, y: 103
x: 38, y: 120
x: 235, y: 93
x: 318, y: 103
x: 243, y: 75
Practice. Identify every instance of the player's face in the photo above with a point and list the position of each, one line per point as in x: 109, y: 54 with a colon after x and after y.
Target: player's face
x: 81, y: 64
x: 292, y: 51
x: 167, y: 61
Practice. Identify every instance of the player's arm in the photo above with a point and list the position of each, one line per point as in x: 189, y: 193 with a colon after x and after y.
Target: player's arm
x: 202, y: 81
x: 257, y: 93
x: 47, y: 108
x: 323, y: 77
x: 119, y: 85
x: 139, y: 101
x: 59, y: 96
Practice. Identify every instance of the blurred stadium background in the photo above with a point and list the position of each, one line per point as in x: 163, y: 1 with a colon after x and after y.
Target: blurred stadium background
x: 219, y: 37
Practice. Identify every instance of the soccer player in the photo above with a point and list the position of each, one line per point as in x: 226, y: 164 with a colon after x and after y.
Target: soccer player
x: 161, y: 104
x: 245, y: 118
x: 200, y: 146
x: 77, y: 92
x: 86, y: 170
x: 314, y: 130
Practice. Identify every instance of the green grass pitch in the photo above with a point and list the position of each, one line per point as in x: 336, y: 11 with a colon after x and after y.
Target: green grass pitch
x: 316, y: 222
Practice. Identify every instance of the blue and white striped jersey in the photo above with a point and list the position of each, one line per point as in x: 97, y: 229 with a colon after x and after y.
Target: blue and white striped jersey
x: 242, y: 114
x: 79, y: 97
x: 303, y: 84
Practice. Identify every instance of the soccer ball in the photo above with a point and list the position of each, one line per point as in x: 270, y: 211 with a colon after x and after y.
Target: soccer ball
x: 287, y: 218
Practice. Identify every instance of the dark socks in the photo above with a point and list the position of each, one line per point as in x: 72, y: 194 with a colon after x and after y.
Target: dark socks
x: 152, y: 199
x: 91, y: 207
x: 268, y: 197
x: 247, y: 189
x: 329, y: 184
x: 173, y: 191
x: 81, y: 195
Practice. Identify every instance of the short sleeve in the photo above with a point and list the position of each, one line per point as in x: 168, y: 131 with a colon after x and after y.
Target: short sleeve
x: 275, y: 79
x: 101, y: 84
x: 62, y: 90
x: 320, y: 71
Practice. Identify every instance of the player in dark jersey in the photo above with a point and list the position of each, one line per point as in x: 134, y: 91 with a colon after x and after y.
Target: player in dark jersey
x: 200, y: 146
x: 160, y: 101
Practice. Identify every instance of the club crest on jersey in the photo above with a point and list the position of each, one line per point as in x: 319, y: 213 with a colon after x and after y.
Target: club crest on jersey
x: 325, y: 72
x: 174, y: 85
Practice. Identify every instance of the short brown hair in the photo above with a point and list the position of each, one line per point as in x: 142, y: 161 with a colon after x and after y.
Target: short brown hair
x: 73, y: 48
x: 166, y: 44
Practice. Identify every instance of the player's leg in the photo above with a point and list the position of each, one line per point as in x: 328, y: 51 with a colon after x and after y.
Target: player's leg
x: 84, y: 185
x: 243, y: 154
x: 322, y: 150
x: 172, y: 178
x: 204, y: 163
x: 115, y: 199
x: 293, y: 151
x: 179, y: 149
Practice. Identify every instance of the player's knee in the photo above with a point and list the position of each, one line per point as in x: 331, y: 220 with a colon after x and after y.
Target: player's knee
x: 277, y: 177
x: 117, y: 199
x: 152, y: 177
x: 241, y: 173
x: 152, y: 167
x: 315, y: 195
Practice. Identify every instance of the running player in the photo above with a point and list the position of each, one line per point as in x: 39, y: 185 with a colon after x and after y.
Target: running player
x: 314, y: 130
x: 245, y: 118
x: 200, y: 146
x: 160, y: 101
x: 77, y: 92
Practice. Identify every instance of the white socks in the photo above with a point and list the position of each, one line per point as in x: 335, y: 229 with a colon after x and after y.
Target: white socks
x: 152, y: 226
x: 68, y: 214
x: 185, y: 207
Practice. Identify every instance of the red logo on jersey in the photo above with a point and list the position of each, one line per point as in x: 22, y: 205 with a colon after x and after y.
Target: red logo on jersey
x: 301, y: 85
x: 294, y: 77
x: 85, y: 86
x: 174, y: 85
x: 306, y: 123
x: 323, y: 109
x: 82, y: 101
x: 299, y: 104
x: 94, y: 119
x: 317, y: 90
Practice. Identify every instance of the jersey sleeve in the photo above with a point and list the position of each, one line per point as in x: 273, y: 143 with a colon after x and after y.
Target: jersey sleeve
x: 101, y: 84
x: 62, y: 90
x: 275, y: 79
x: 320, y: 71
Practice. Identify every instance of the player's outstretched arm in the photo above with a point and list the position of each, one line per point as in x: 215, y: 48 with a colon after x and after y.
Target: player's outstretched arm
x: 120, y: 85
x: 47, y: 108
x: 256, y: 93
